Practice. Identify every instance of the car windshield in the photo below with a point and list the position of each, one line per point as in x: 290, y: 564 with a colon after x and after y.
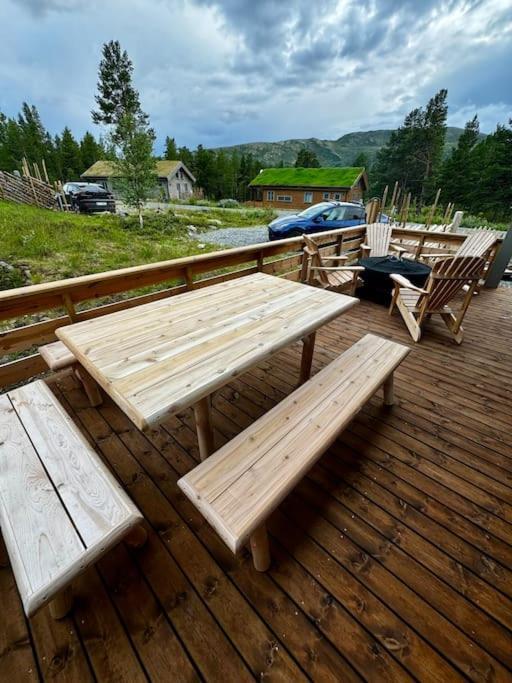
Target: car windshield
x: 314, y: 210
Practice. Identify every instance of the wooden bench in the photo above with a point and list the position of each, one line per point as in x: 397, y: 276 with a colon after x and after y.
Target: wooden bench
x: 58, y: 357
x: 60, y: 508
x: 238, y: 487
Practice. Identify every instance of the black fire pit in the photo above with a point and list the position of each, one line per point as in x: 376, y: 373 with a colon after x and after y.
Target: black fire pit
x: 378, y: 286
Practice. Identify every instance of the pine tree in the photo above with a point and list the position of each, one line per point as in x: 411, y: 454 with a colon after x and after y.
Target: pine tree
x: 116, y: 96
x: 171, y: 151
x: 90, y: 151
x: 306, y: 159
x: 69, y: 153
x: 459, y: 173
x: 413, y: 155
x: 361, y: 160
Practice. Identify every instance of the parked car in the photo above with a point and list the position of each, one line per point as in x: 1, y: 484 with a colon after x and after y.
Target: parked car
x: 318, y: 218
x: 89, y: 198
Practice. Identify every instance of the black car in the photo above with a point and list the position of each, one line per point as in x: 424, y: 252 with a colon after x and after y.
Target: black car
x: 89, y: 198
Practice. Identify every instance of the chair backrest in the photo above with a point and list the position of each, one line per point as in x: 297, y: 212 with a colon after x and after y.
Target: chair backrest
x: 479, y: 243
x: 311, y: 249
x: 449, y: 276
x: 378, y: 237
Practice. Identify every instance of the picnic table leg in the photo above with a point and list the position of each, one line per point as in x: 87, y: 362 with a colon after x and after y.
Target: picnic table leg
x: 62, y: 603
x: 203, y: 417
x: 259, y: 548
x: 307, y: 357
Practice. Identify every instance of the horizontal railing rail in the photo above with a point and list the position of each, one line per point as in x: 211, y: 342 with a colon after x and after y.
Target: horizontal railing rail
x: 60, y: 300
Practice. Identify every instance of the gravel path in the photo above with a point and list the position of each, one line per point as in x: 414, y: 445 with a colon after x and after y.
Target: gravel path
x: 235, y: 237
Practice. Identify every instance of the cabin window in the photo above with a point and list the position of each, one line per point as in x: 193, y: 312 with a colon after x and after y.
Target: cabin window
x: 326, y: 195
x: 270, y: 195
x: 337, y: 195
x: 284, y: 198
x: 308, y: 197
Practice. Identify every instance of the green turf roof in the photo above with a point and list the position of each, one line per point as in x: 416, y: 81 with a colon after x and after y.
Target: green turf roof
x: 106, y: 169
x: 308, y: 177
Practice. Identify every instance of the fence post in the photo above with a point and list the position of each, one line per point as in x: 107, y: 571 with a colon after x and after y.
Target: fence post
x: 501, y: 261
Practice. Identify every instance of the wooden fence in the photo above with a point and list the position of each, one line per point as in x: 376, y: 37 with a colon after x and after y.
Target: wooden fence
x: 76, y: 299
x: 26, y: 190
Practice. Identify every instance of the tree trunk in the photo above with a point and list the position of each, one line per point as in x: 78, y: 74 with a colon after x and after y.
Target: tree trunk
x: 141, y: 219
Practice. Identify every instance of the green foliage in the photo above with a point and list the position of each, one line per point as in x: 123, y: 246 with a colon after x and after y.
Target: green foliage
x: 414, y: 153
x: 361, y: 159
x: 171, y: 151
x: 70, y: 158
x: 135, y: 166
x: 10, y: 277
x: 25, y: 136
x: 116, y: 97
x: 476, y: 177
x: 306, y: 159
x: 315, y: 177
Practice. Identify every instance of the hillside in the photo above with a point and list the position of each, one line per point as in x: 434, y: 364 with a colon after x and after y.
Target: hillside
x: 340, y: 152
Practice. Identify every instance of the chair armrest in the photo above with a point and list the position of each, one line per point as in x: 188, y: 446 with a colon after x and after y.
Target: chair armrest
x: 427, y: 256
x: 404, y: 282
x: 335, y: 258
x: 356, y: 269
x: 397, y: 247
x: 365, y: 247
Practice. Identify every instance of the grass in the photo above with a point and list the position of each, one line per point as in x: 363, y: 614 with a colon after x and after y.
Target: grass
x: 57, y: 245
x: 308, y: 177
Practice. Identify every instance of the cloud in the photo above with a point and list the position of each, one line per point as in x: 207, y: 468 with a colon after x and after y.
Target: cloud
x: 220, y: 72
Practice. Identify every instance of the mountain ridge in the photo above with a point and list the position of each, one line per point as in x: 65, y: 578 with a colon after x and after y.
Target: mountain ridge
x: 340, y: 152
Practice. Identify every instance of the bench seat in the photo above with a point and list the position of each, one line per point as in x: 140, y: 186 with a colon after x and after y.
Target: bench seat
x: 57, y: 356
x: 238, y: 487
x: 60, y: 507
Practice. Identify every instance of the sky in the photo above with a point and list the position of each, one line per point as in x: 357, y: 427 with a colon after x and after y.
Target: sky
x: 222, y: 72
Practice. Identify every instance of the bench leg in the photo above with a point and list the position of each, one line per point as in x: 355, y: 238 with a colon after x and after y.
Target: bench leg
x: 307, y: 358
x: 260, y: 549
x: 90, y: 387
x: 203, y: 417
x: 388, y: 391
x: 137, y: 537
x: 62, y: 603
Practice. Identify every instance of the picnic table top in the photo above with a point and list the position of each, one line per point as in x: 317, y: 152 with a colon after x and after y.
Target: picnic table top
x: 164, y: 356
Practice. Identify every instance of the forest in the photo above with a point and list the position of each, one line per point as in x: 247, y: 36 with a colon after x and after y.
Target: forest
x: 476, y: 175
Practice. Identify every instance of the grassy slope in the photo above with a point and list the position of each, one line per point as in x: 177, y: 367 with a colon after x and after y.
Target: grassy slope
x: 58, y: 245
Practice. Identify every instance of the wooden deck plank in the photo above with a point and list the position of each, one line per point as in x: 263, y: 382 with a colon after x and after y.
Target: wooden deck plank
x: 392, y: 560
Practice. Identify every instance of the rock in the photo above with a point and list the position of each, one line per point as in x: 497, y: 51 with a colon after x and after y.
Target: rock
x: 201, y: 246
x: 191, y: 228
x: 214, y: 221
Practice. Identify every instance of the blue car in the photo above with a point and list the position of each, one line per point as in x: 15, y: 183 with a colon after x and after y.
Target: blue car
x: 318, y: 218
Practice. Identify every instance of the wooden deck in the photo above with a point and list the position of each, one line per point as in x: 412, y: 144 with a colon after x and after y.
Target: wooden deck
x: 392, y: 560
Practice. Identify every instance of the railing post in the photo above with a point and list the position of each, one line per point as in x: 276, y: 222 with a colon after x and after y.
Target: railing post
x: 189, y: 280
x: 500, y: 263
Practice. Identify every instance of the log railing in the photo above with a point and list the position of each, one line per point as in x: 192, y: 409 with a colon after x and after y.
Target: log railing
x: 76, y: 299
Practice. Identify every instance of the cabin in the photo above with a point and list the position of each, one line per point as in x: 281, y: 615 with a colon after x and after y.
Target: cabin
x: 298, y: 188
x: 175, y: 180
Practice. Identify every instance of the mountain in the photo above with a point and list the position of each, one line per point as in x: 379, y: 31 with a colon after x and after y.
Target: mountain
x: 340, y: 152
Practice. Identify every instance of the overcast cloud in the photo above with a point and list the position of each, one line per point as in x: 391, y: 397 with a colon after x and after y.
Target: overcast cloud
x: 220, y: 72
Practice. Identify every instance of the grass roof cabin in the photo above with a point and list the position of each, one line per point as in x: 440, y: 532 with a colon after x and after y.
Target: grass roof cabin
x: 298, y: 188
x: 175, y: 181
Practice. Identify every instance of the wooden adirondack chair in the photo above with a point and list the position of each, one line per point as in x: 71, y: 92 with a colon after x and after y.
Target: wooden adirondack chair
x: 479, y: 243
x: 448, y: 279
x: 335, y: 277
x: 378, y: 241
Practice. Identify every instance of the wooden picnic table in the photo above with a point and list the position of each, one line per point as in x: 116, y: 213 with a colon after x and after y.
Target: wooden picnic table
x: 159, y: 358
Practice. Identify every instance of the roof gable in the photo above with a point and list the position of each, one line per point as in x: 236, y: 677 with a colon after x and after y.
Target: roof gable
x: 309, y: 177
